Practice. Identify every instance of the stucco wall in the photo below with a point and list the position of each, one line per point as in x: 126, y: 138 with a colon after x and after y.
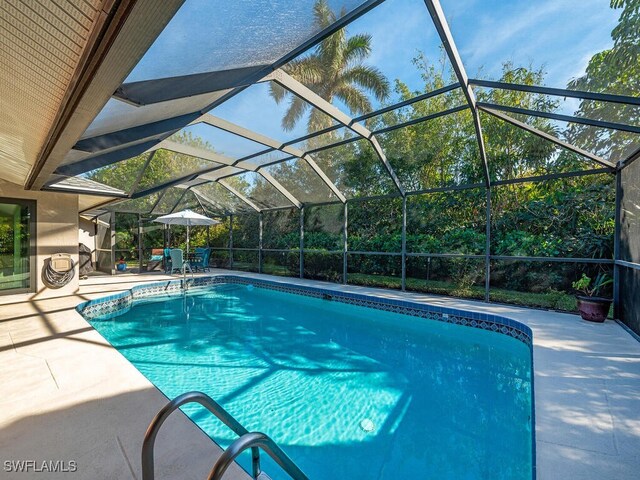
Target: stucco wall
x: 56, y: 231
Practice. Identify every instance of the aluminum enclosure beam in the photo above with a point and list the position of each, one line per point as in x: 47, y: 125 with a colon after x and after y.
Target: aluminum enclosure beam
x: 214, y: 157
x: 440, y: 22
x: 269, y: 178
x: 635, y: 155
x: 275, y: 144
x: 165, y: 89
x: 563, y: 118
x: 197, y: 153
x: 560, y: 92
x: 549, y: 137
x: 211, y: 202
x: 411, y: 101
x: 240, y: 196
x: 140, y: 174
x: 106, y: 158
x: 306, y: 94
x: 163, y: 128
x: 140, y: 28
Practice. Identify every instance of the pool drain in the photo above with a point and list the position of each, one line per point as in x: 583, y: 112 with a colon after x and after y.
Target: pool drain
x: 367, y: 425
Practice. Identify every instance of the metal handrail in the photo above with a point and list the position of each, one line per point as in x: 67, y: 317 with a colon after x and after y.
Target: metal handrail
x: 255, y: 440
x: 206, y: 401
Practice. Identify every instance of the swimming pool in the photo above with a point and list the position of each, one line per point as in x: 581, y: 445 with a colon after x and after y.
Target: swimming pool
x: 347, y: 391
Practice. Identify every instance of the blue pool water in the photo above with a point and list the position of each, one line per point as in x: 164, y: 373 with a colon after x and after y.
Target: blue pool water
x: 348, y: 392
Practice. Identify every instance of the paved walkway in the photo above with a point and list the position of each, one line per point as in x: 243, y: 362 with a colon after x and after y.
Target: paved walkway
x: 66, y: 394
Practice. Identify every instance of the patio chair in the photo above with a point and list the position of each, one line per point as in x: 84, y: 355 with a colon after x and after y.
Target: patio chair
x: 167, y: 260
x: 202, y: 259
x: 156, y: 259
x: 177, y: 261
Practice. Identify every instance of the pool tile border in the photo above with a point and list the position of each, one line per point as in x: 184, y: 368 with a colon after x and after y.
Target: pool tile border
x: 114, y: 305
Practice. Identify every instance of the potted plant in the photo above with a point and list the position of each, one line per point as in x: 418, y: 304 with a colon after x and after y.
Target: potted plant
x: 122, y: 265
x: 590, y: 306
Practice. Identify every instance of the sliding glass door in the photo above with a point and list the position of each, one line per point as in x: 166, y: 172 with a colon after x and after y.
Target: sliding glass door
x: 17, y: 245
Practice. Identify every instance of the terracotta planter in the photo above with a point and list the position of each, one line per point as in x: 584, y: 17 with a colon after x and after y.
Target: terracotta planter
x: 593, y: 309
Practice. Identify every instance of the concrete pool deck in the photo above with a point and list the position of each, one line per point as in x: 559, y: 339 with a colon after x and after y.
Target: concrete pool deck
x: 66, y: 394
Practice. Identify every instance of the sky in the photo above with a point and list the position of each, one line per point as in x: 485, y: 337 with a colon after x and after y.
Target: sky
x: 558, y: 35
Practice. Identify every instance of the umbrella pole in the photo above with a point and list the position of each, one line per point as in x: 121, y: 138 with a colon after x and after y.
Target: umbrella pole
x: 184, y: 264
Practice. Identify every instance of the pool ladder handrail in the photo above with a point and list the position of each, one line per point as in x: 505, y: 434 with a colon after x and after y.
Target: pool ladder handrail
x: 253, y: 440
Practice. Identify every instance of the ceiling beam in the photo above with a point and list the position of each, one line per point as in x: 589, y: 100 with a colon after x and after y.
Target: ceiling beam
x: 164, y: 127
x: 269, y: 178
x: 147, y: 92
x: 107, y: 158
x: 209, y: 201
x: 134, y: 185
x: 635, y: 155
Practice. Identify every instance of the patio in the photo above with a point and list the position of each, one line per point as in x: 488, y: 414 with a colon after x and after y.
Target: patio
x: 62, y: 377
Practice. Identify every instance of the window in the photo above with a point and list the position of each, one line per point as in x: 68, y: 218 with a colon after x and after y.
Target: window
x: 17, y: 245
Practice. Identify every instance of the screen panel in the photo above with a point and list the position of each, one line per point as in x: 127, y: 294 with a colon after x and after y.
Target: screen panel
x: 193, y: 43
x: 447, y: 222
x: 542, y: 284
x: 630, y: 213
x: 301, y: 181
x: 436, y: 153
x: 355, y: 169
x: 571, y: 217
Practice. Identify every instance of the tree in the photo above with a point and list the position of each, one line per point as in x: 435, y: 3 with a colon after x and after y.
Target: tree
x: 615, y: 70
x: 334, y: 70
x: 163, y: 167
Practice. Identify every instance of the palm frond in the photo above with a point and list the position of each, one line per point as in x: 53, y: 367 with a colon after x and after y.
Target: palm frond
x: 369, y: 78
x: 322, y: 14
x: 297, y: 108
x: 357, y: 49
x: 356, y: 101
x: 331, y: 51
x: 277, y: 91
x: 318, y: 120
x: 307, y: 70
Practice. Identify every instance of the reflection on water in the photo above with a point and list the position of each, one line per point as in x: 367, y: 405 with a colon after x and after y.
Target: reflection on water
x: 437, y: 401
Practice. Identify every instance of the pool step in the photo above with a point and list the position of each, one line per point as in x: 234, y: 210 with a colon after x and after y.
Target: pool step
x: 255, y: 441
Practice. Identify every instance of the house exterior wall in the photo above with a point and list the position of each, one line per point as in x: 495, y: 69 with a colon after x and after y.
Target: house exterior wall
x: 56, y: 232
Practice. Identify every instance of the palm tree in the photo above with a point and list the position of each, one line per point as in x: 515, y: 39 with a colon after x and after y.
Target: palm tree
x: 334, y: 70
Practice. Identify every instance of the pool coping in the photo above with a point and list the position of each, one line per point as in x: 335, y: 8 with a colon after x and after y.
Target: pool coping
x: 111, y: 306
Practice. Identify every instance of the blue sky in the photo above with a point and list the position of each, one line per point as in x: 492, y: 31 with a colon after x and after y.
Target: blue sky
x: 559, y: 35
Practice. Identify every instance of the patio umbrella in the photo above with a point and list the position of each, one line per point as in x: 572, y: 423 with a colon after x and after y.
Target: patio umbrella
x: 187, y: 218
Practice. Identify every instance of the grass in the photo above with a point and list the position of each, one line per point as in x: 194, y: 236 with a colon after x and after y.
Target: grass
x: 553, y: 300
